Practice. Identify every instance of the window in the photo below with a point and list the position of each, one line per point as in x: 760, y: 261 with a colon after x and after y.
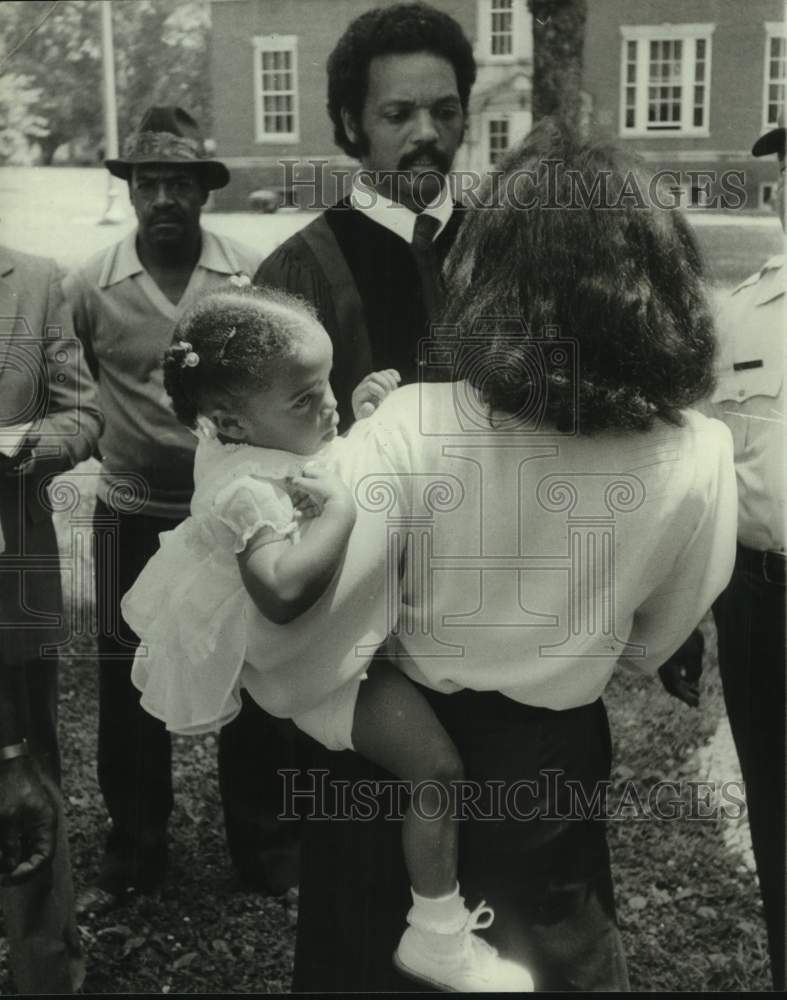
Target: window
x: 501, y: 38
x: 504, y: 30
x: 276, y: 88
x: 775, y: 62
x: 501, y: 130
x: 665, y: 79
x: 498, y: 138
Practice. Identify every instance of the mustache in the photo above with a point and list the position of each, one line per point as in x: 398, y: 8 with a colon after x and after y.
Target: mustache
x: 438, y: 157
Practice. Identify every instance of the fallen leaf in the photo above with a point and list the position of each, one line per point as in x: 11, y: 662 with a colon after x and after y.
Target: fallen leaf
x: 637, y: 902
x: 132, y: 944
x: 221, y: 947
x: 706, y: 912
x: 117, y: 930
x: 184, y: 960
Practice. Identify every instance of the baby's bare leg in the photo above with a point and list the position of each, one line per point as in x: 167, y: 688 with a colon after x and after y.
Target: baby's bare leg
x: 395, y: 727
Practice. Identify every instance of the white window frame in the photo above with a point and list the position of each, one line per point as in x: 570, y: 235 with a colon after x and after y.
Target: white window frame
x: 518, y: 26
x: 275, y: 43
x: 773, y: 29
x: 761, y: 202
x: 519, y: 124
x: 490, y: 120
x: 643, y: 35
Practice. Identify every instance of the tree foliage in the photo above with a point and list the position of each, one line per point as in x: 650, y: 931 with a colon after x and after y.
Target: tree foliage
x: 558, y: 43
x: 19, y: 122
x: 161, y: 57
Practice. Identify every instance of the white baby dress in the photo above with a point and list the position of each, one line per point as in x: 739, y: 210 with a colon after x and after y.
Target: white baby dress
x: 199, y: 627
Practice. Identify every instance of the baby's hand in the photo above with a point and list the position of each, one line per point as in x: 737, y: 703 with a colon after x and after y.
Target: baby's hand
x: 368, y: 395
x: 323, y: 488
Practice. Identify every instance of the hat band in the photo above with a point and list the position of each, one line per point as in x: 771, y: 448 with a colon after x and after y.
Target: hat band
x: 161, y: 145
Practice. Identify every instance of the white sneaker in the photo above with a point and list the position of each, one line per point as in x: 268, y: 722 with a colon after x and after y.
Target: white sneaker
x: 461, y: 962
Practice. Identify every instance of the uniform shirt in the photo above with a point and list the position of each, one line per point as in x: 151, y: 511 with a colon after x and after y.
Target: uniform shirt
x: 749, y: 398
x: 125, y: 323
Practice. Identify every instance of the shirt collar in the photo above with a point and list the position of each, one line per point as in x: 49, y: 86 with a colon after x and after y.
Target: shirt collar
x: 772, y: 280
x: 216, y: 255
x: 396, y: 217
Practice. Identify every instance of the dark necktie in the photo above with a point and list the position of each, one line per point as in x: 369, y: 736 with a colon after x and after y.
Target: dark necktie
x: 425, y: 256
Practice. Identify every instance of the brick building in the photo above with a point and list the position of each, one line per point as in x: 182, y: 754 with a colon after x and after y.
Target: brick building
x: 688, y: 85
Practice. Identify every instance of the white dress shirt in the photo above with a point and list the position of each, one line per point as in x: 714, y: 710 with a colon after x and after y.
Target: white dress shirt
x: 395, y: 216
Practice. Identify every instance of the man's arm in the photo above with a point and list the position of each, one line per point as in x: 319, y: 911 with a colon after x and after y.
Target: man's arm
x: 72, y: 424
x: 73, y: 415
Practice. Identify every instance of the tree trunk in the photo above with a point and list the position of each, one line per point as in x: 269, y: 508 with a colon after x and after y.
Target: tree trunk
x: 558, y: 41
x: 49, y: 145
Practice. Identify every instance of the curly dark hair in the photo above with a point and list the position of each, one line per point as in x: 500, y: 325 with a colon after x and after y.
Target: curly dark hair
x: 606, y: 267
x: 403, y: 27
x: 234, y: 336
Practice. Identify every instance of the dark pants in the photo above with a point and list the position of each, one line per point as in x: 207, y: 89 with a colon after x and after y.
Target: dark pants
x: 750, y: 620
x: 134, y: 749
x: 44, y: 950
x: 547, y: 879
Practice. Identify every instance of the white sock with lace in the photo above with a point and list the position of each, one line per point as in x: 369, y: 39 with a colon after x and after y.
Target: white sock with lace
x: 438, y: 914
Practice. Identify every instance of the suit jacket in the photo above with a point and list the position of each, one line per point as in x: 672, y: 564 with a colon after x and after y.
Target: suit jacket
x: 43, y: 380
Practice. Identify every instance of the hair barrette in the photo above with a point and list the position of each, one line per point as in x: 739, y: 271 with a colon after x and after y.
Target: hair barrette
x: 190, y: 357
x: 225, y: 343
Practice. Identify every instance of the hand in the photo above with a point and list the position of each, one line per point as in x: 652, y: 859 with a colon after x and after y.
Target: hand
x: 368, y: 395
x: 42, y: 458
x: 20, y: 462
x: 28, y: 821
x: 681, y: 673
x: 303, y: 503
x: 323, y: 488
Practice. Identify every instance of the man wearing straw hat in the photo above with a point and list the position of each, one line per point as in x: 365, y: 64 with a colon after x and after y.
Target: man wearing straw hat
x: 125, y: 302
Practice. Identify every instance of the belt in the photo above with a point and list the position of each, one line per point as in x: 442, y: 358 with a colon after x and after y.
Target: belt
x: 769, y: 566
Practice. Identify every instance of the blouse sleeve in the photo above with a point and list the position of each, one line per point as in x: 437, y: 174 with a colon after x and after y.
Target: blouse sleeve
x: 703, y: 568
x: 250, y: 506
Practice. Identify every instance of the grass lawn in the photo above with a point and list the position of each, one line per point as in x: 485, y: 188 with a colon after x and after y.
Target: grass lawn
x: 732, y: 252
